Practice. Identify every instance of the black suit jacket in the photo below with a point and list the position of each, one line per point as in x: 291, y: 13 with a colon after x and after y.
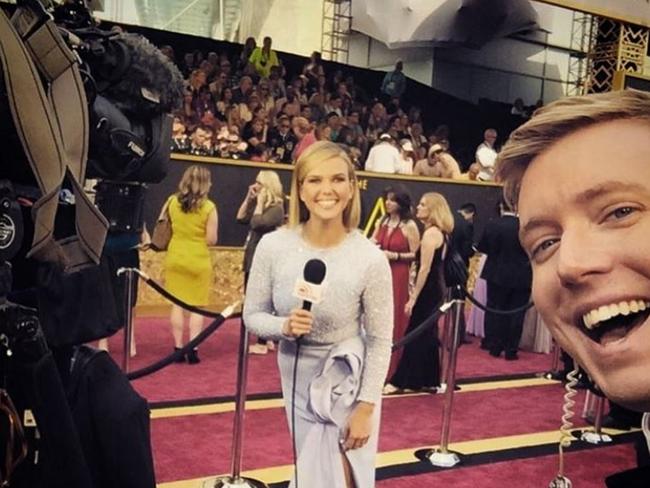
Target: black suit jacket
x: 633, y: 478
x: 507, y: 264
x: 462, y: 237
x: 113, y: 423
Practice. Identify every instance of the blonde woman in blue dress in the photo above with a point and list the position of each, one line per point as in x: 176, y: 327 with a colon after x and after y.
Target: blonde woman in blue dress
x: 346, y: 337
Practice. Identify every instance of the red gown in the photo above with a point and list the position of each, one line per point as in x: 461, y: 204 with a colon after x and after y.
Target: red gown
x: 396, y: 241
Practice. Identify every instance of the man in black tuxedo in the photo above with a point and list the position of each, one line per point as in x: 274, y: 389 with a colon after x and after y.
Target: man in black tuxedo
x: 282, y: 140
x: 508, y: 274
x: 462, y: 241
x: 462, y: 237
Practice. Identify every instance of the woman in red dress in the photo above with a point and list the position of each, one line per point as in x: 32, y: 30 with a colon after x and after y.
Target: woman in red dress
x: 398, y: 236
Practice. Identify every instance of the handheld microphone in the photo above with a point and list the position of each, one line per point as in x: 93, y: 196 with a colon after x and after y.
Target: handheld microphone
x: 309, y: 288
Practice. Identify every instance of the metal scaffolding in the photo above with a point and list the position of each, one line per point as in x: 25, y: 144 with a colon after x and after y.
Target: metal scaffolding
x: 583, y: 39
x: 337, y: 25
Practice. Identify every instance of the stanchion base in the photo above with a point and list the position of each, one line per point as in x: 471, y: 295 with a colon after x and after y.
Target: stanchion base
x: 595, y: 438
x: 443, y: 459
x: 552, y: 375
x: 443, y: 388
x: 230, y: 482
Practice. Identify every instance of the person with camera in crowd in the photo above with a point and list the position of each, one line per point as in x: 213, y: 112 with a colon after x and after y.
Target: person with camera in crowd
x: 282, y: 140
x: 264, y: 58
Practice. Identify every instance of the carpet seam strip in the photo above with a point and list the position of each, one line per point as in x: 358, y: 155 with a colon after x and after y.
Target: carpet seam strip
x: 169, y: 412
x: 191, y: 402
x: 403, y: 462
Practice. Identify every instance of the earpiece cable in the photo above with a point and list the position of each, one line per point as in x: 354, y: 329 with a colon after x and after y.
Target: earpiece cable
x: 566, y: 436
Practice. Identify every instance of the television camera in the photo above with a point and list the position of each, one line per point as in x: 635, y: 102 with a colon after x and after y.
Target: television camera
x: 85, y: 103
x: 79, y: 103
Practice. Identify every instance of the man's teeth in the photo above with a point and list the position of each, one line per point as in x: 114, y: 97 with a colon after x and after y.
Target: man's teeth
x: 601, y: 314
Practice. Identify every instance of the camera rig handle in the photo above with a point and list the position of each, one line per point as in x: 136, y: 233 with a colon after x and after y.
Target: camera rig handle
x: 52, y: 125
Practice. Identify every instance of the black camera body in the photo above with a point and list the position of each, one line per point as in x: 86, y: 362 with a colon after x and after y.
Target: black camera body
x: 131, y: 89
x: 77, y: 103
x: 20, y: 332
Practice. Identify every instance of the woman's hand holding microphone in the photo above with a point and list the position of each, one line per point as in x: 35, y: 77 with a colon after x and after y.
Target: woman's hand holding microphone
x: 298, y: 323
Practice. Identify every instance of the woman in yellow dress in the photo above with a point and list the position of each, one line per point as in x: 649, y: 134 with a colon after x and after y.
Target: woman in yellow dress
x: 188, y: 269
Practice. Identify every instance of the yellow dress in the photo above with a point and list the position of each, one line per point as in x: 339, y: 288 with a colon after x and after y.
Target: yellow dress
x: 188, y: 268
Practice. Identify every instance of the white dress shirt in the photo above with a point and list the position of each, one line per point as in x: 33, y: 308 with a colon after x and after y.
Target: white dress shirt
x: 384, y: 158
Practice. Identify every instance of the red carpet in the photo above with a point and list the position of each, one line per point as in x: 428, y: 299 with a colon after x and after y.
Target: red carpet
x: 215, y: 375
x: 406, y: 422
x: 195, y: 446
x: 586, y: 469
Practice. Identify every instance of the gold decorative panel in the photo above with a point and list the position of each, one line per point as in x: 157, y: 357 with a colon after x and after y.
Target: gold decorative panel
x: 227, y: 279
x: 619, y: 47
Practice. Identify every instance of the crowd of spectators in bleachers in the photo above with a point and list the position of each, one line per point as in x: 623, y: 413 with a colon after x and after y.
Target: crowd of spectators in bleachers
x: 249, y: 108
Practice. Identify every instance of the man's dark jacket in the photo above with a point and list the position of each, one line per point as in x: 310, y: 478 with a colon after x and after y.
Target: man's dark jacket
x: 507, y: 264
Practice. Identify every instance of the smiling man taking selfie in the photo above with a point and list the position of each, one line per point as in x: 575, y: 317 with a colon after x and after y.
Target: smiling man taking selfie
x: 578, y: 173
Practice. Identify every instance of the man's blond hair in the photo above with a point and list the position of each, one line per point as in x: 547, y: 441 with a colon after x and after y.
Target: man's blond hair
x: 556, y: 120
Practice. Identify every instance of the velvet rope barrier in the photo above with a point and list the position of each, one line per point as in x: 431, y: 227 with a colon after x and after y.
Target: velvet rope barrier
x: 219, y: 319
x: 190, y: 308
x: 420, y: 329
x: 167, y: 360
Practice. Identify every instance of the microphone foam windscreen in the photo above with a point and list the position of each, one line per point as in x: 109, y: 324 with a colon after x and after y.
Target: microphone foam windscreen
x: 314, y: 271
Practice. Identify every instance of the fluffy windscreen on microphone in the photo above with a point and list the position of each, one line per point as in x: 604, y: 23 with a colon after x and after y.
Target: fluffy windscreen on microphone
x: 314, y: 271
x: 132, y: 73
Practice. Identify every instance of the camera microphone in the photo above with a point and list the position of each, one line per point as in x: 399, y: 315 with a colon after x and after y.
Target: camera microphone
x: 309, y: 288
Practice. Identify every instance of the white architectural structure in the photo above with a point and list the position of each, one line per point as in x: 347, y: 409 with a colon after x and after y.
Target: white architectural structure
x: 538, y: 63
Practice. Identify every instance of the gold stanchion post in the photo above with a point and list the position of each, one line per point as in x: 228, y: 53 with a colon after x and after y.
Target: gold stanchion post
x: 441, y: 456
x: 235, y: 480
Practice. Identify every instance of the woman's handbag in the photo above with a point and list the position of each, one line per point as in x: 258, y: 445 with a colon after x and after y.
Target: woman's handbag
x: 454, y: 268
x: 162, y: 231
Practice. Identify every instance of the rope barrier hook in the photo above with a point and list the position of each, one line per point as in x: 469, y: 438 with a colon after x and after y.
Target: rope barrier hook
x: 230, y: 309
x: 444, y: 308
x: 139, y: 272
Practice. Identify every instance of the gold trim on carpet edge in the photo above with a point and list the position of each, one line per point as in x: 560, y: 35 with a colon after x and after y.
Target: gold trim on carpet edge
x: 278, y: 474
x: 167, y: 412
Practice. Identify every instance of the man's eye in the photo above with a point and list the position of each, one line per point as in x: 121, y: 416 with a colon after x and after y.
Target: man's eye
x: 543, y: 246
x: 622, y: 212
